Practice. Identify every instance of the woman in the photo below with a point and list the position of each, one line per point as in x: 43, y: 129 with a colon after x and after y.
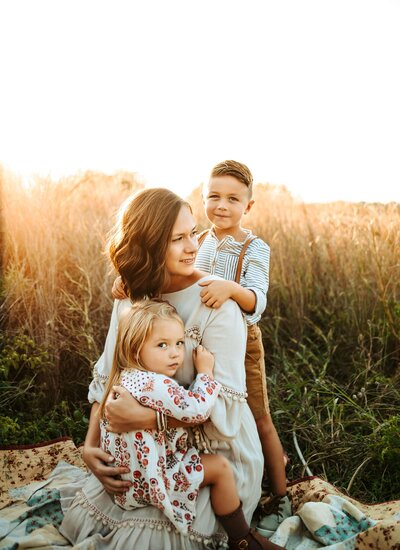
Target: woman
x: 153, y: 248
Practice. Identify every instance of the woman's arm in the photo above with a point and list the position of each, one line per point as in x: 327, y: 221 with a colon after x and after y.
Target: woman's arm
x: 225, y: 337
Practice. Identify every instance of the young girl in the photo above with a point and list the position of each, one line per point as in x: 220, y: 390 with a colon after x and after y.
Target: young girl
x: 165, y: 470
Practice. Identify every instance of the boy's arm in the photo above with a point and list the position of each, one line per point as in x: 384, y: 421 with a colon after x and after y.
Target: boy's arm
x: 216, y: 292
x: 251, y: 298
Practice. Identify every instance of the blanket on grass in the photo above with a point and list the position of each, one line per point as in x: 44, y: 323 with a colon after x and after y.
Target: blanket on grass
x: 322, y: 516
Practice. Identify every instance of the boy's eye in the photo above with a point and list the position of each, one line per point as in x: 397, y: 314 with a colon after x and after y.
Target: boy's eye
x: 213, y: 196
x: 233, y: 199
x: 195, y: 231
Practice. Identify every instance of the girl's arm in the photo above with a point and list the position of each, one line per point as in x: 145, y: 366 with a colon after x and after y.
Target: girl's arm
x: 125, y: 414
x: 192, y: 405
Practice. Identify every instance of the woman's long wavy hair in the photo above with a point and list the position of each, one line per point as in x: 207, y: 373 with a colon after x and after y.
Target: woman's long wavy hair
x: 139, y: 240
x: 134, y: 327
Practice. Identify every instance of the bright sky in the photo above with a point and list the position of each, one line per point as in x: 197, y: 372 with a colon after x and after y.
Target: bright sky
x: 306, y: 93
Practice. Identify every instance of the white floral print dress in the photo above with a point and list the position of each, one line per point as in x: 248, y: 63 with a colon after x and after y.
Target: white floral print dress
x: 165, y: 470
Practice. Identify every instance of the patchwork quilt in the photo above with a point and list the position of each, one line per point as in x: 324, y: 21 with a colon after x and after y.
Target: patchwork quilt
x: 322, y: 516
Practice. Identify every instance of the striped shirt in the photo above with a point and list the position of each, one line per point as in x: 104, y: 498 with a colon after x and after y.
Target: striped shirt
x: 221, y: 258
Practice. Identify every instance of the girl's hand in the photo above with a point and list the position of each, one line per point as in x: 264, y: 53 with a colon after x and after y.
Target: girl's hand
x: 203, y: 361
x: 125, y: 414
x: 97, y: 460
x: 118, y: 291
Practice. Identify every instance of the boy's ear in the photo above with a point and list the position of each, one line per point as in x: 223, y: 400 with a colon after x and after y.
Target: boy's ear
x: 249, y: 206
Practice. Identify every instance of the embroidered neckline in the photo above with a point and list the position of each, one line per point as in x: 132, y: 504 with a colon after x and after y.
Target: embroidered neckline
x: 194, y: 332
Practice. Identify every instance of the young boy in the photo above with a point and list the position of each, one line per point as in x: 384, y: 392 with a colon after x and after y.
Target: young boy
x: 242, y: 259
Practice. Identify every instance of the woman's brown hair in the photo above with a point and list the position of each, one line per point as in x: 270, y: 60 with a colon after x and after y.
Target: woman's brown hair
x: 140, y: 238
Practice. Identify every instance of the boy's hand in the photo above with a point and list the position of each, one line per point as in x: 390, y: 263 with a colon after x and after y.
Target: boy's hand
x: 203, y: 361
x: 215, y: 293
x: 117, y: 291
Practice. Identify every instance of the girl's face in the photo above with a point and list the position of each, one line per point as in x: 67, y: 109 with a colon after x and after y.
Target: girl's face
x: 182, y: 249
x: 163, y: 350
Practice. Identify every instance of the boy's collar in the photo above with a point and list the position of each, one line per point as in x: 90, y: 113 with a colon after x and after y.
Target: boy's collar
x: 229, y: 237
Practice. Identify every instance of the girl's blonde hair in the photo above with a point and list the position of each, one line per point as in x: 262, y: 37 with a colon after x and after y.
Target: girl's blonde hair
x: 134, y: 327
x: 139, y: 240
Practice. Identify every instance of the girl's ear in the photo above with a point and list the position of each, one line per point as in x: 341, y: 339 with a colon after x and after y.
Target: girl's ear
x: 248, y: 208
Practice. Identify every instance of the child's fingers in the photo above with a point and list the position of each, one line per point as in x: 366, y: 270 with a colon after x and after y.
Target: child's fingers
x: 198, y: 349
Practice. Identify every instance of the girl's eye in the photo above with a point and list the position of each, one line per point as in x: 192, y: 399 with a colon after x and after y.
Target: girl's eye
x: 162, y: 345
x: 180, y: 343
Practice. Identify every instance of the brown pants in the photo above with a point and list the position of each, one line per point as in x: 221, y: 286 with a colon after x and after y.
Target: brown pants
x: 256, y: 379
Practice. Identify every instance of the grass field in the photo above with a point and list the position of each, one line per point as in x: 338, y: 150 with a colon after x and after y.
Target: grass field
x: 331, y: 329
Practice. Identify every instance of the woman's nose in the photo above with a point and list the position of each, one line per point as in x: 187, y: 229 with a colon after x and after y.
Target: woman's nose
x: 192, y: 244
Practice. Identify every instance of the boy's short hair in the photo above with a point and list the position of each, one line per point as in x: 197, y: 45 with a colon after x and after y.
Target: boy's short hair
x: 236, y: 170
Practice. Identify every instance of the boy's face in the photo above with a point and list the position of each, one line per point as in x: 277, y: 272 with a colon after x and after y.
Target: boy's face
x: 226, y: 201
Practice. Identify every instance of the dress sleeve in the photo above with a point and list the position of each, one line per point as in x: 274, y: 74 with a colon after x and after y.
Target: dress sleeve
x: 102, y: 368
x: 255, y: 276
x: 225, y: 337
x: 192, y: 405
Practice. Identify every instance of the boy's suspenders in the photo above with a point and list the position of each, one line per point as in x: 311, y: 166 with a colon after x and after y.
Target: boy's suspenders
x: 201, y: 236
x: 204, y: 234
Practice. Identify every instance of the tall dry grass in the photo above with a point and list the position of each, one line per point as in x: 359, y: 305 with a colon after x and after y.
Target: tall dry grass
x: 331, y: 329
x: 56, y: 274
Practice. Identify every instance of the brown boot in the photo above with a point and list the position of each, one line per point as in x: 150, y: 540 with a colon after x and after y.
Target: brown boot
x: 240, y: 536
x: 253, y: 540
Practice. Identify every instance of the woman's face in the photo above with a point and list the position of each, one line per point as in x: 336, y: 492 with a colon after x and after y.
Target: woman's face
x: 182, y: 249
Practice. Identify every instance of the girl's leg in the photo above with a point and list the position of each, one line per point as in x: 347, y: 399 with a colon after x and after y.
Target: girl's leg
x: 225, y: 501
x: 218, y: 474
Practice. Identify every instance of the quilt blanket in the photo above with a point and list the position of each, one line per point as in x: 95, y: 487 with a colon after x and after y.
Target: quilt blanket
x: 322, y: 516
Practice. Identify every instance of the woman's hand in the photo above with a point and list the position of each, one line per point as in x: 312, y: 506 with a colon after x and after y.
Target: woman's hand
x: 100, y: 464
x: 118, y: 290
x: 96, y: 459
x: 125, y: 414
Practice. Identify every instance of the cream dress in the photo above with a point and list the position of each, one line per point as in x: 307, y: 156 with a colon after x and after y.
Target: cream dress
x: 95, y: 521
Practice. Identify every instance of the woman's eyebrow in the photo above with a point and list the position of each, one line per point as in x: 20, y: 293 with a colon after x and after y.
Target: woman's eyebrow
x: 182, y: 233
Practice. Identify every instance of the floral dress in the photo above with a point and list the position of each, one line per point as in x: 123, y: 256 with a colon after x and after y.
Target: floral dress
x: 165, y: 470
